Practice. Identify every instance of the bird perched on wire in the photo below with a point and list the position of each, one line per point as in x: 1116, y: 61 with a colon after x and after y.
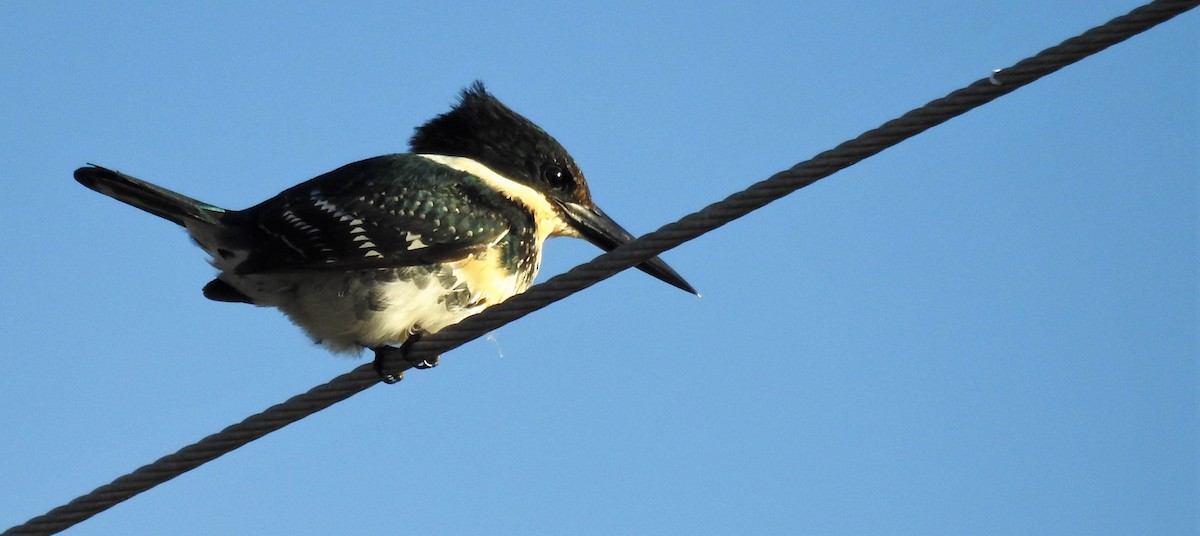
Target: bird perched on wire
x: 376, y: 253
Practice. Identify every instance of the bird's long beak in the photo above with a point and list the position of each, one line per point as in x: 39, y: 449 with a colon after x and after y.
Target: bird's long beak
x: 595, y: 226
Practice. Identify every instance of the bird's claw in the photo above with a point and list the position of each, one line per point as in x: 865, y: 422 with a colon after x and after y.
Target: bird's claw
x: 426, y: 363
x: 382, y: 353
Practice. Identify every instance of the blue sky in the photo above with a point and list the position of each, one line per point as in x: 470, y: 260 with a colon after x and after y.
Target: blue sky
x: 989, y: 329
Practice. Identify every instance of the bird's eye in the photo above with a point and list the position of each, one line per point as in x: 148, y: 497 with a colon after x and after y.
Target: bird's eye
x: 555, y: 175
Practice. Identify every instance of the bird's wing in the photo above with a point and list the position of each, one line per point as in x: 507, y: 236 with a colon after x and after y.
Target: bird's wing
x: 388, y: 211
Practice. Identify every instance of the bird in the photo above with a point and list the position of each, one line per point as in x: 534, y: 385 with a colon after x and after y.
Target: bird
x: 377, y: 253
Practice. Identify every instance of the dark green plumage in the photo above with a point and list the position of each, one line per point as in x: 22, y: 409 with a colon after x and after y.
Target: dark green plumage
x: 149, y: 197
x: 387, y: 211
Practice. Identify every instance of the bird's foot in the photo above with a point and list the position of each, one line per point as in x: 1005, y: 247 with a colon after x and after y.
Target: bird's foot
x: 405, y: 348
x: 383, y: 353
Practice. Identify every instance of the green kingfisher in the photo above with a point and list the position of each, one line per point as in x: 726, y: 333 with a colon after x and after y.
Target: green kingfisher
x: 376, y: 253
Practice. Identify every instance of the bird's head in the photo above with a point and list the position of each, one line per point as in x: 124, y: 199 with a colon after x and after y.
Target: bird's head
x: 483, y: 129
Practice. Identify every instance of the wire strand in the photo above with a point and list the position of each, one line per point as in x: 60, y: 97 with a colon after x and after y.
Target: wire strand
x: 869, y: 143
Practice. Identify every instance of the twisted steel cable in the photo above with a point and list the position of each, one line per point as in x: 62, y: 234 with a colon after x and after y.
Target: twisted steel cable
x: 1001, y: 82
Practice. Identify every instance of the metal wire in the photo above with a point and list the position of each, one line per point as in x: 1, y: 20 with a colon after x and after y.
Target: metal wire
x: 585, y: 275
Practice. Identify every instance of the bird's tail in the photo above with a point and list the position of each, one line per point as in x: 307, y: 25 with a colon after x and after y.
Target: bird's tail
x: 158, y: 201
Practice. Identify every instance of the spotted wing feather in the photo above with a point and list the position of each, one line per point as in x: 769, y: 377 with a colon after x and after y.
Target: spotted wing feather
x: 383, y: 212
